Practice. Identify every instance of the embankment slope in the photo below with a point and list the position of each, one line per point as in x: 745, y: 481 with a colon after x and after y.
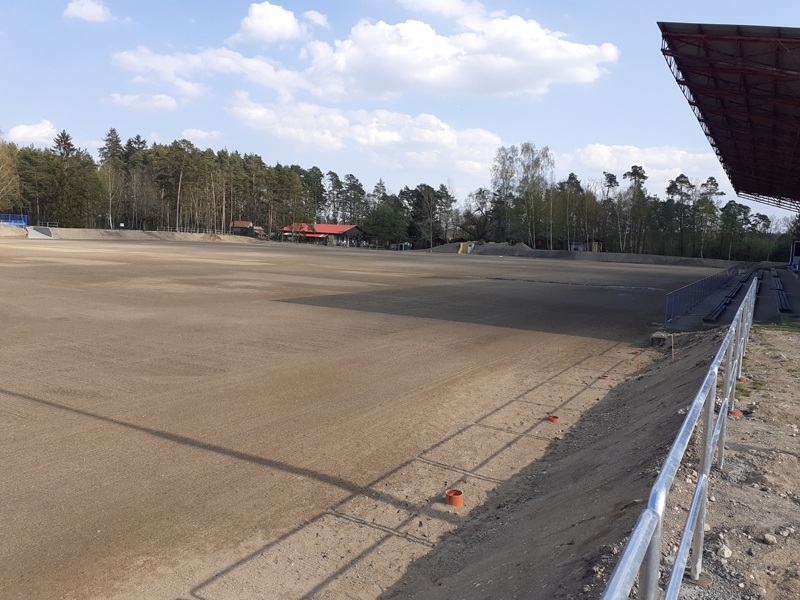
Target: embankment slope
x: 556, y: 530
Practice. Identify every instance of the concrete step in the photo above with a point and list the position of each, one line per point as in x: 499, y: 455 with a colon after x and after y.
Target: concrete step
x: 42, y: 233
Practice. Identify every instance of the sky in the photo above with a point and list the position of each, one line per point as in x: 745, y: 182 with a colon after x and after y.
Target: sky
x: 410, y: 91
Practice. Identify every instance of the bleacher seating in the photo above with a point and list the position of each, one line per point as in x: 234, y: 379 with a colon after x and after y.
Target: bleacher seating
x: 723, y: 304
x: 780, y: 293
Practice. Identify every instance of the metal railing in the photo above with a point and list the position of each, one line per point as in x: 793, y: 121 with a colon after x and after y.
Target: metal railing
x: 642, y: 553
x: 193, y: 230
x: 682, y: 300
x: 18, y: 220
x: 47, y: 224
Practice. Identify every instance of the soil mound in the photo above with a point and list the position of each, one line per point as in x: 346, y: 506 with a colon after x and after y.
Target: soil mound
x: 523, y: 250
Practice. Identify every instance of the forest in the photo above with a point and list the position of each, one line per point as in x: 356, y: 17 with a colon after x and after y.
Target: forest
x: 137, y: 185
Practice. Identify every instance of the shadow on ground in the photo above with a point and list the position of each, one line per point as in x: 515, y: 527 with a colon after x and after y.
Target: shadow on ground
x: 555, y: 530
x: 614, y: 313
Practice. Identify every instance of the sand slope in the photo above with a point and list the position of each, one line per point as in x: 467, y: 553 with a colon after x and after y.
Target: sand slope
x: 161, y: 236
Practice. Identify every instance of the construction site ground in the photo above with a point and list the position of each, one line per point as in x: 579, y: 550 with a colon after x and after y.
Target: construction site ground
x: 216, y: 421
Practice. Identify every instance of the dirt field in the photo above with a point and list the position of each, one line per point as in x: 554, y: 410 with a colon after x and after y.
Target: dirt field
x: 271, y: 421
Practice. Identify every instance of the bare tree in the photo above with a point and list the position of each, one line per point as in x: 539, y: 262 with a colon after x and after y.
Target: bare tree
x: 535, y: 168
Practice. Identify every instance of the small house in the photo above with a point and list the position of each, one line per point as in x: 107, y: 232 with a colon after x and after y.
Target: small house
x: 242, y: 228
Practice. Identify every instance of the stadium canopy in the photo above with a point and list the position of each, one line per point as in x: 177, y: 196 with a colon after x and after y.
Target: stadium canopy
x: 743, y: 84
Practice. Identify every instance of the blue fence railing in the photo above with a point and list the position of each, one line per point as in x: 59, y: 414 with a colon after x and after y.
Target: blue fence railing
x: 18, y: 220
x: 682, y: 300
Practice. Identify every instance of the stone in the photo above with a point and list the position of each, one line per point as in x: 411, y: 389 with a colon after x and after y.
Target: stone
x: 724, y: 552
x: 770, y: 540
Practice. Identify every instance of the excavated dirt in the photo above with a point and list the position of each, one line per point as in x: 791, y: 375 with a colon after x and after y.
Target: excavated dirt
x: 217, y: 421
x: 559, y: 530
x: 755, y: 501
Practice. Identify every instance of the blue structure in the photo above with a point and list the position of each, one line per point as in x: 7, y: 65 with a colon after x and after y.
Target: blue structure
x: 17, y: 220
x: 794, y: 256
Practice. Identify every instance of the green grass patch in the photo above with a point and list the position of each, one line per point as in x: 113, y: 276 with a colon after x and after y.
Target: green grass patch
x: 788, y: 323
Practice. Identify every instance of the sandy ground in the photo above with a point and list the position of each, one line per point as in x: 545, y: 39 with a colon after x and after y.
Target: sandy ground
x: 753, y: 548
x: 271, y: 421
x: 557, y: 529
x: 11, y: 231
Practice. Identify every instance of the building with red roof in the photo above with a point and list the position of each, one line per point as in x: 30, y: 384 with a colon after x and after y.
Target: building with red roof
x: 334, y: 235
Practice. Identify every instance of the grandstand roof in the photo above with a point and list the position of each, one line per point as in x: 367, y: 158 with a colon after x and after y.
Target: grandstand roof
x: 743, y: 84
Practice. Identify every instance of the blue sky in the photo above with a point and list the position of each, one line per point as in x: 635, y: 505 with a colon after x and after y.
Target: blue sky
x: 408, y: 90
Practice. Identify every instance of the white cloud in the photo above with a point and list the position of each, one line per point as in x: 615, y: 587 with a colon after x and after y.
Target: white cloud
x: 145, y: 102
x: 267, y: 22
x: 209, y: 62
x: 41, y: 133
x: 389, y: 138
x: 317, y: 18
x: 493, y: 55
x: 661, y: 164
x: 197, y: 135
x: 89, y: 10
x: 448, y: 8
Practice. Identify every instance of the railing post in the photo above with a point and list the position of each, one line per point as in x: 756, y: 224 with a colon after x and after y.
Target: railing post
x: 705, y: 467
x: 728, y: 381
x: 649, y: 573
x: 666, y: 311
x: 739, y: 347
x: 673, y: 307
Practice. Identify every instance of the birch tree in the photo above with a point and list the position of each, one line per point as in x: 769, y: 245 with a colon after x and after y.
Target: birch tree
x: 535, y: 169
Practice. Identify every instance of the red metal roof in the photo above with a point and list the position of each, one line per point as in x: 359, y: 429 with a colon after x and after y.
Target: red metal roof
x: 743, y: 84
x: 323, y: 229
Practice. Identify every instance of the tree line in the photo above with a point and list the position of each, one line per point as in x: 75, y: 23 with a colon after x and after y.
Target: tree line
x: 148, y: 186
x: 525, y: 203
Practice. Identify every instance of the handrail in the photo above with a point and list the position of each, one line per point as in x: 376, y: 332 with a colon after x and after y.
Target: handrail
x: 684, y: 299
x: 647, y: 531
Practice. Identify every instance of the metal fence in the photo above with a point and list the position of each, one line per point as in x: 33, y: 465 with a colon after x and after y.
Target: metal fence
x: 193, y: 230
x: 642, y: 553
x: 682, y: 300
x: 18, y: 220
